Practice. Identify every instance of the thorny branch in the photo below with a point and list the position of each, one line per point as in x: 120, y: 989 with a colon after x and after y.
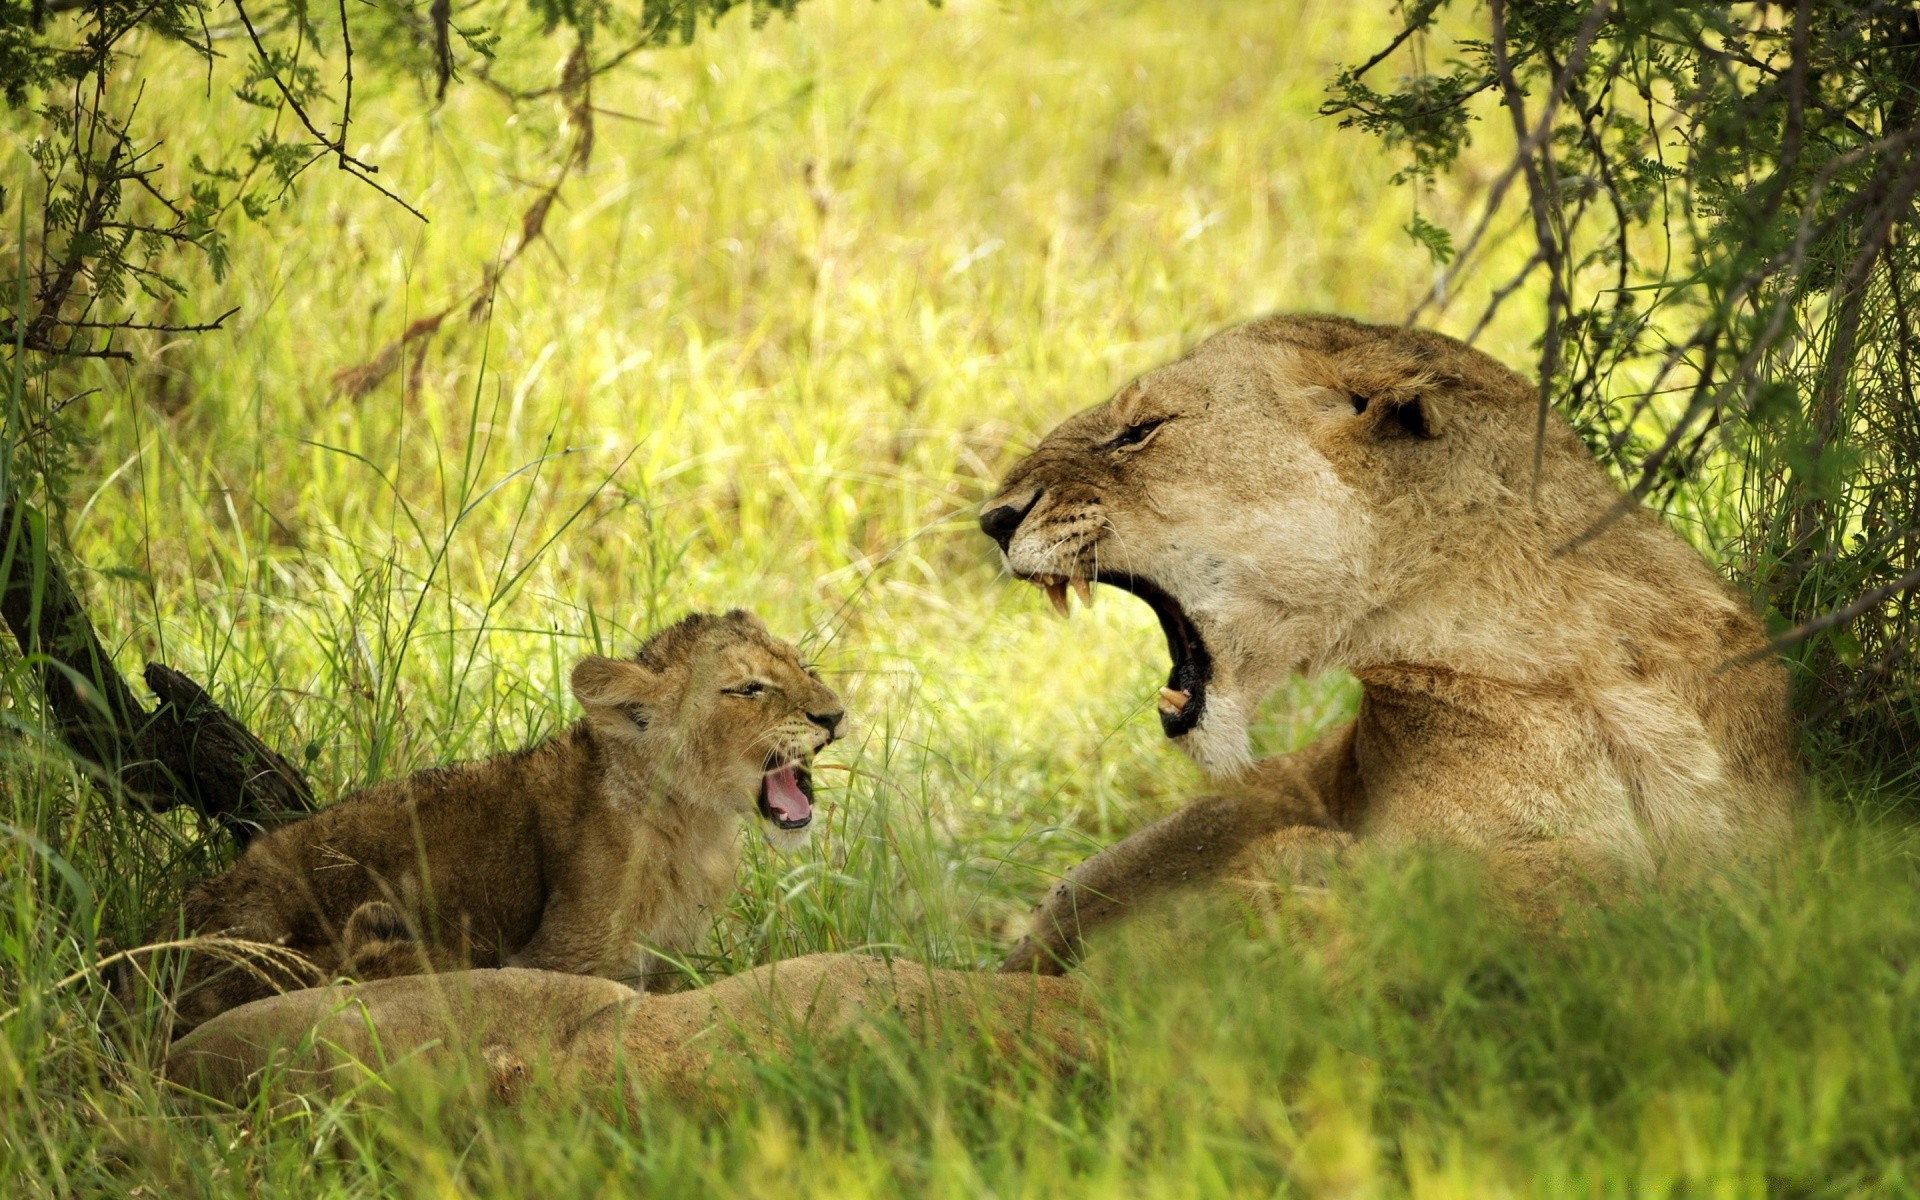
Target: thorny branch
x: 576, y: 89
x: 337, y: 145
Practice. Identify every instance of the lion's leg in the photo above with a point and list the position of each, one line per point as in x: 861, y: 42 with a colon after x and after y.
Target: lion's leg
x: 1281, y: 798
x: 1191, y: 847
x: 1295, y: 857
x: 573, y: 933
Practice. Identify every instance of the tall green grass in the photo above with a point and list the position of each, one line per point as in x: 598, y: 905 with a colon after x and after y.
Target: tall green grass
x: 1394, y: 1036
x: 820, y: 284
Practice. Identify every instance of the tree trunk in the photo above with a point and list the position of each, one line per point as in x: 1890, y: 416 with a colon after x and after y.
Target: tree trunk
x: 189, y: 752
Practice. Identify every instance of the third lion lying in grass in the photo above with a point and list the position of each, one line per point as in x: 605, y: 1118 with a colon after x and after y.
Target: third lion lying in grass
x: 591, y: 853
x: 509, y: 1026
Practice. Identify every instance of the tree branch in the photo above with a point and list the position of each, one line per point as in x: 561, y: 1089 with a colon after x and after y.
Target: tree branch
x: 190, y: 752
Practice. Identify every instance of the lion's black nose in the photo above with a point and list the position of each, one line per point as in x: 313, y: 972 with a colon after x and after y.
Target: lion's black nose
x: 1000, y: 522
x: 828, y: 721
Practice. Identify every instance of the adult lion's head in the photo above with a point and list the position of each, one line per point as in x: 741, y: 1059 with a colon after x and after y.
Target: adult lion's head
x: 1297, y: 493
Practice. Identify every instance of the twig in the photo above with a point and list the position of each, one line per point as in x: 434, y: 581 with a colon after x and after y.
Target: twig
x: 576, y: 81
x: 219, y: 322
x: 1529, y: 143
x: 346, y: 44
x: 1414, y: 25
x: 1865, y: 602
x: 440, y: 16
x: 337, y: 146
x: 1550, y: 248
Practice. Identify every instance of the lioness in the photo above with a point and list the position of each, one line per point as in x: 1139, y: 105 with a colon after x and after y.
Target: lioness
x: 506, y: 1024
x: 1546, y: 678
x: 572, y: 855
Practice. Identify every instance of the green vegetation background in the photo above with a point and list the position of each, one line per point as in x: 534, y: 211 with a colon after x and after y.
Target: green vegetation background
x: 819, y: 285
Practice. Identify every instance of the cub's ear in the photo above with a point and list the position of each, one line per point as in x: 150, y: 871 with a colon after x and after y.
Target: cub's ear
x: 600, y: 682
x: 740, y: 616
x: 617, y: 689
x: 596, y: 679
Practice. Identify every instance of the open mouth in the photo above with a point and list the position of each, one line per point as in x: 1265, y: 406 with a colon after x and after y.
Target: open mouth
x: 1184, y: 698
x: 786, y: 793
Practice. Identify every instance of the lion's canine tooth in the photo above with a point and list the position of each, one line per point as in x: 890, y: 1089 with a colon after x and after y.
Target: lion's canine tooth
x: 1085, y: 591
x: 1057, y: 592
x: 1173, y: 702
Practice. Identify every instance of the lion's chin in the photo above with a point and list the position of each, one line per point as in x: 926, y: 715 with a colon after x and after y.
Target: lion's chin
x: 787, y: 841
x: 1219, y: 744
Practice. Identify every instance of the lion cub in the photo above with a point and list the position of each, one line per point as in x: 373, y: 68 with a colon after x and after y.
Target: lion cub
x: 577, y: 854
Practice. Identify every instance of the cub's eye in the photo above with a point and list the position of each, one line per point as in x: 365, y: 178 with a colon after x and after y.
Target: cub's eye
x: 1133, y: 434
x: 746, y: 691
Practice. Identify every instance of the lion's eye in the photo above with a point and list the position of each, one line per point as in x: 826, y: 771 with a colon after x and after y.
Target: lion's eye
x: 1133, y: 434
x: 746, y: 690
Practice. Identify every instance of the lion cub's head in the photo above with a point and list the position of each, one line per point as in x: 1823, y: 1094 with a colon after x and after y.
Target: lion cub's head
x: 1294, y: 494
x: 716, y: 711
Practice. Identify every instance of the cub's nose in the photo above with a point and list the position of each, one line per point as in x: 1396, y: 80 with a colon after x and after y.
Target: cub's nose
x: 1000, y: 521
x: 829, y: 722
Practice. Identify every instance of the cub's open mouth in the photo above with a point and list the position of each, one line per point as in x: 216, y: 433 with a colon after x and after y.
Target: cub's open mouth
x: 1184, y: 698
x: 786, y: 793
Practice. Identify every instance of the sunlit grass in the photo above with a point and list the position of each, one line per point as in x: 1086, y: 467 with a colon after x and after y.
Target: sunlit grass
x: 818, y: 286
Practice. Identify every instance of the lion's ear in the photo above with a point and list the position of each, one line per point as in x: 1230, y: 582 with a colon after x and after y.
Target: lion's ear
x: 594, y: 679
x: 600, y: 682
x: 741, y: 616
x: 1422, y: 413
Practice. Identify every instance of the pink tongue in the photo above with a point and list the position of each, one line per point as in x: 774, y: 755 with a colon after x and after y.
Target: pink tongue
x: 784, y: 796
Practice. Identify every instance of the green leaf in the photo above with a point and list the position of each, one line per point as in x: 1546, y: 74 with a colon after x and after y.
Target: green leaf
x: 1439, y: 242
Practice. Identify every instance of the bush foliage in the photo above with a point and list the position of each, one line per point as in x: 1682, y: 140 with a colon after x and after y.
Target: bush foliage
x: 1719, y: 199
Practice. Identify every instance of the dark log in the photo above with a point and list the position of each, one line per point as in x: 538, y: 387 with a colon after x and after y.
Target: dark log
x: 92, y: 708
x: 226, y: 772
x: 191, y: 752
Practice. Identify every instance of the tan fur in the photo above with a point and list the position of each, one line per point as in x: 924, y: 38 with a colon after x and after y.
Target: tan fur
x: 594, y: 1032
x: 1555, y: 697
x: 603, y: 850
